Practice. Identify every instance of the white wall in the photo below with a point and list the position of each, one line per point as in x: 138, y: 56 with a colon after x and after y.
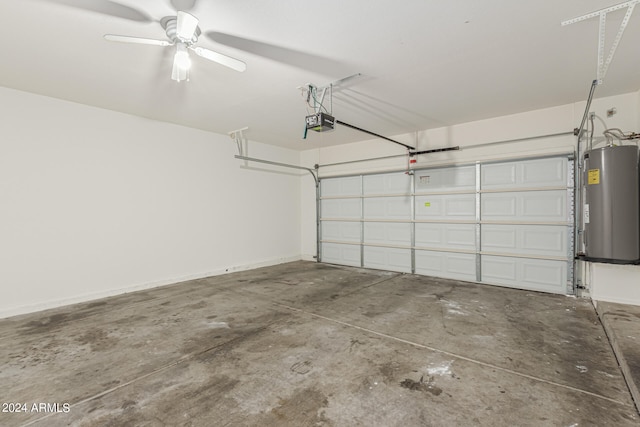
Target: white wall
x: 615, y: 283
x: 95, y: 203
x: 608, y: 283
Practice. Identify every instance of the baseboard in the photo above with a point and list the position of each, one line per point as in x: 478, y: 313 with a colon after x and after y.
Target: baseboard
x: 32, y: 308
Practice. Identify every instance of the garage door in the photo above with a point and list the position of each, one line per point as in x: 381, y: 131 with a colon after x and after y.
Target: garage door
x: 503, y: 223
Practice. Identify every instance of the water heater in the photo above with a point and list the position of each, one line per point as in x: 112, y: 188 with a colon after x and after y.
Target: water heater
x: 612, y: 204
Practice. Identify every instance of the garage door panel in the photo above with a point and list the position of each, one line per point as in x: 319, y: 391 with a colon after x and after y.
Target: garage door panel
x: 387, y: 184
x: 336, y: 253
x: 387, y: 208
x: 462, y: 266
x: 551, y: 172
x: 430, y: 207
x: 544, y: 205
x: 541, y: 274
x: 431, y: 235
x: 430, y: 263
x: 387, y: 233
x: 494, y: 206
x: 541, y: 240
x: 446, y: 236
x: 498, y: 175
x: 545, y: 240
x: 525, y: 273
x: 341, y: 231
x: 535, y: 206
x: 391, y: 259
x: 341, y: 208
x: 498, y: 238
x: 498, y: 269
x: 462, y: 236
x: 339, y: 187
x: 446, y: 179
x: 460, y: 207
x: 543, y: 172
x: 449, y: 206
x: 446, y: 264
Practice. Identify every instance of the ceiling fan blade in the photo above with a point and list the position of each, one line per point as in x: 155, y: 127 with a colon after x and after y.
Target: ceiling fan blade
x: 107, y: 7
x: 227, y: 61
x: 138, y: 40
x: 186, y: 26
x: 183, y: 4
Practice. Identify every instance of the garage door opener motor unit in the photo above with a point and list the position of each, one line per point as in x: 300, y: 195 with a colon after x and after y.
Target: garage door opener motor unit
x: 320, y: 122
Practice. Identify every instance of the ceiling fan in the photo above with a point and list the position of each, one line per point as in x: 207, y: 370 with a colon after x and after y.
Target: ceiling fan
x: 182, y: 32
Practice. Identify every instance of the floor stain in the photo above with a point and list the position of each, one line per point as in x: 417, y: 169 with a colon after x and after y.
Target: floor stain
x: 426, y: 387
x: 98, y: 339
x: 301, y: 368
x: 197, y: 306
x: 389, y: 371
x: 355, y: 342
x: 128, y: 403
x: 47, y: 324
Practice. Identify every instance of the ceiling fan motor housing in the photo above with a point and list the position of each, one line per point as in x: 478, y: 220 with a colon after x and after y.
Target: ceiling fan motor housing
x: 170, y: 25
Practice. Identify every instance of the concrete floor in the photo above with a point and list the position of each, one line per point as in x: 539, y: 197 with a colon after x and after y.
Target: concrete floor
x: 622, y: 325
x: 312, y: 344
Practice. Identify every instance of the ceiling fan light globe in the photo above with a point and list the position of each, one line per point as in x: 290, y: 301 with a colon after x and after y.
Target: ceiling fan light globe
x: 181, y: 63
x: 179, y: 74
x: 181, y: 58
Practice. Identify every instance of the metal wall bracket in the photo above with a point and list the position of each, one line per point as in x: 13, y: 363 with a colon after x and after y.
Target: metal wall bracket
x: 603, y: 65
x: 241, y: 141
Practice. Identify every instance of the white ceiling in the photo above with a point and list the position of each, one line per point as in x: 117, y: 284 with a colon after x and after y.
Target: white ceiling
x: 424, y: 63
